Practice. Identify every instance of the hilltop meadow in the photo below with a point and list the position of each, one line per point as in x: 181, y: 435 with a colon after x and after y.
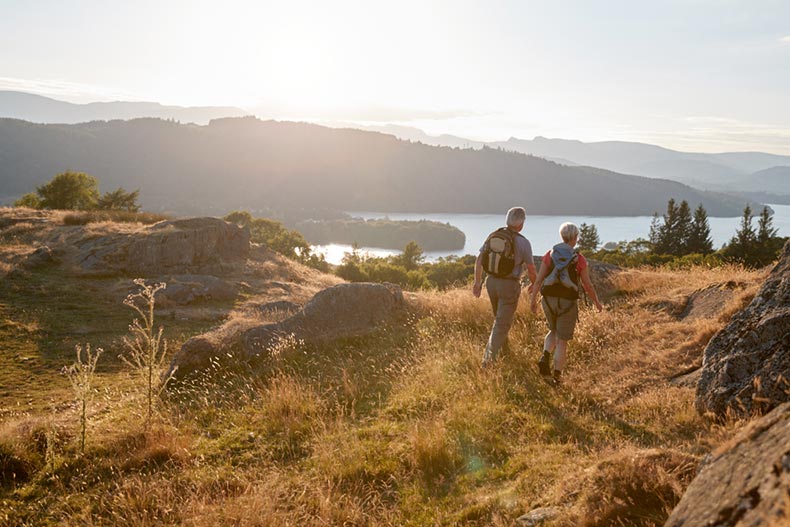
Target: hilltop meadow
x: 397, y: 427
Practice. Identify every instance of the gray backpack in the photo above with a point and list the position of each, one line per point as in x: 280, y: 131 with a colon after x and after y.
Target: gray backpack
x: 562, y: 257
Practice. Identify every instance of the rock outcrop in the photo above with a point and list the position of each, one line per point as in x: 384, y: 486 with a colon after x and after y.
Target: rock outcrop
x: 343, y: 310
x: 186, y: 289
x: 746, y: 366
x: 195, y: 245
x: 744, y: 483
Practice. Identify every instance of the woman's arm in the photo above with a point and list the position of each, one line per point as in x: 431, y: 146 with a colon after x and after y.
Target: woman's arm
x: 533, y: 297
x: 587, y: 284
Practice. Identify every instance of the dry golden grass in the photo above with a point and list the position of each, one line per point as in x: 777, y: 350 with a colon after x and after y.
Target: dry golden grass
x: 404, y: 428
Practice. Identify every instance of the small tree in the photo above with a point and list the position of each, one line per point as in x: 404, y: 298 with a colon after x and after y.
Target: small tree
x: 146, y: 350
x: 684, y: 229
x: 80, y: 376
x: 655, y: 231
x: 119, y: 199
x: 743, y: 246
x: 29, y: 200
x: 588, y: 238
x: 699, y: 240
x: 667, y: 236
x: 765, y: 229
x: 745, y: 237
x: 412, y: 256
x: 71, y: 191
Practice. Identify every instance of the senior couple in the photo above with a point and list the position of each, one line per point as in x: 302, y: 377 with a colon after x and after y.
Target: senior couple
x: 505, y: 255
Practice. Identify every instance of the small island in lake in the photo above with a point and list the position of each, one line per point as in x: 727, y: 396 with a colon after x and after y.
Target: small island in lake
x: 384, y: 233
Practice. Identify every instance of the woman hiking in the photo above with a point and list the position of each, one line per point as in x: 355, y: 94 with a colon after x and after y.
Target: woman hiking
x: 561, y: 272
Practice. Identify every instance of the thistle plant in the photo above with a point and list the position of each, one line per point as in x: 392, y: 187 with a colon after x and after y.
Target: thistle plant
x: 146, y: 350
x: 80, y: 374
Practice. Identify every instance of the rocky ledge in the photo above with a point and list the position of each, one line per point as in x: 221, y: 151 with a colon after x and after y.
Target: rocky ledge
x: 746, y: 366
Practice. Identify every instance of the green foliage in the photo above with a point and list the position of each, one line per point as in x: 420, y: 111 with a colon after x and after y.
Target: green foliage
x: 119, y: 199
x: 274, y: 235
x: 411, y: 257
x: 588, y: 238
x: 699, y: 240
x: 430, y: 235
x: 672, y: 237
x: 754, y: 248
x: 29, y: 200
x: 407, y: 269
x: 70, y: 191
x: 683, y: 241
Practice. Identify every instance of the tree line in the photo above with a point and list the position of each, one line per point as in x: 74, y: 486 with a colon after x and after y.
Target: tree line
x: 680, y: 236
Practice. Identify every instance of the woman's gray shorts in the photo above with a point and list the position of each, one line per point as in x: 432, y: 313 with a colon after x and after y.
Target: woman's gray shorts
x: 561, y: 315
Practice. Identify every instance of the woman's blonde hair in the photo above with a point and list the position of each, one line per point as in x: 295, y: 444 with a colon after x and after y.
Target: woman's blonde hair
x: 568, y: 231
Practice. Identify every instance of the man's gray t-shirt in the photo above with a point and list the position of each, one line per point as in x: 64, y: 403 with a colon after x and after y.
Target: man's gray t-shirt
x: 523, y: 254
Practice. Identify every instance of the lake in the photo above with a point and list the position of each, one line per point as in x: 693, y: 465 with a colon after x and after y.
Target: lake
x: 542, y: 231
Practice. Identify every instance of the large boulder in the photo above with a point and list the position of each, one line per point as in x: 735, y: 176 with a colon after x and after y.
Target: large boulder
x: 746, y: 366
x: 746, y: 482
x: 195, y: 245
x: 343, y: 310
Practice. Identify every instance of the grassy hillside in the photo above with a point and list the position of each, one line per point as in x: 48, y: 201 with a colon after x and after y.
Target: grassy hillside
x: 250, y: 164
x: 401, y: 427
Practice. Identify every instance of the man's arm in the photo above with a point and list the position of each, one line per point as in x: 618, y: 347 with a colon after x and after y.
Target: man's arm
x: 478, y: 285
x: 532, y: 273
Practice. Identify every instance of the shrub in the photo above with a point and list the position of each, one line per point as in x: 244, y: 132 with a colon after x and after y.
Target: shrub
x: 70, y: 191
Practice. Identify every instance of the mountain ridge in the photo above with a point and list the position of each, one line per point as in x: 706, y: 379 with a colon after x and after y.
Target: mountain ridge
x: 41, y: 109
x: 236, y: 163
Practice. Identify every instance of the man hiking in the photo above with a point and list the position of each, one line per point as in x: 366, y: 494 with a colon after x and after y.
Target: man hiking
x: 504, y: 255
x: 561, y: 272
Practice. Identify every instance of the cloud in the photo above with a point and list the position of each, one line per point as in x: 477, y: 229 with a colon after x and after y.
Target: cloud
x: 785, y: 40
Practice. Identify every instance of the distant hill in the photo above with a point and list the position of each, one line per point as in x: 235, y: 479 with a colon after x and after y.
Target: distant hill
x: 775, y: 178
x: 724, y: 171
x: 713, y: 171
x: 39, y: 109
x: 252, y: 164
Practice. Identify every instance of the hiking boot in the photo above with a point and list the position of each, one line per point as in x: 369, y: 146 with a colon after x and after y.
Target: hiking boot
x: 557, y: 378
x: 543, y: 367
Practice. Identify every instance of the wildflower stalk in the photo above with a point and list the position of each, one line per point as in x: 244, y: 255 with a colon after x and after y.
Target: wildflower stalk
x: 80, y: 375
x: 146, y: 350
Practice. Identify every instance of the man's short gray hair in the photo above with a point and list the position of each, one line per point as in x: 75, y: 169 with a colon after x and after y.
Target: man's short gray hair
x: 568, y: 231
x: 516, y: 216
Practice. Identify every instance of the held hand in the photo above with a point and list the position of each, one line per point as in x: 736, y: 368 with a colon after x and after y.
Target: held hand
x: 477, y: 289
x: 598, y: 306
x: 533, y: 304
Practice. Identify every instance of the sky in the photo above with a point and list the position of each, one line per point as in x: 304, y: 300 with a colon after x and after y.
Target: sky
x: 694, y: 75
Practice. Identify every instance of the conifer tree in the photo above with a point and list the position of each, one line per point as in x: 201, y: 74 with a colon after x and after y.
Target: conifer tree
x: 745, y: 237
x: 655, y: 231
x: 668, y: 232
x: 684, y: 227
x: 742, y: 246
x: 588, y: 238
x: 765, y: 229
x: 699, y: 240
